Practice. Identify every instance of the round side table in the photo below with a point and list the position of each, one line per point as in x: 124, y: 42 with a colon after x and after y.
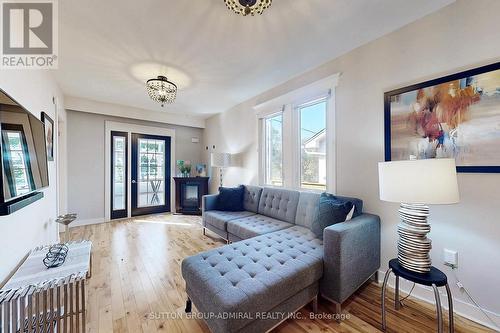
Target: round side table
x: 435, y: 278
x: 66, y: 220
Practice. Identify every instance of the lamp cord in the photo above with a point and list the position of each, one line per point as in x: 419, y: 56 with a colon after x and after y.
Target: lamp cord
x: 409, y: 294
x: 462, y: 287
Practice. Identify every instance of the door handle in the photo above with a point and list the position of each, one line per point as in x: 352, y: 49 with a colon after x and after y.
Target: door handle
x: 133, y: 181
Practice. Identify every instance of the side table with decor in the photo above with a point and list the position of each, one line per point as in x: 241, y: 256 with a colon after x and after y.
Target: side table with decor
x: 434, y: 278
x: 41, y: 299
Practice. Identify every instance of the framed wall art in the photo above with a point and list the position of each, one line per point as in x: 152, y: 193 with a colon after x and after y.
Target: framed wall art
x: 456, y: 116
x: 49, y: 135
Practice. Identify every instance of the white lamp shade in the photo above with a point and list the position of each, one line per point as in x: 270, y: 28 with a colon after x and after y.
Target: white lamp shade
x: 429, y: 181
x: 220, y: 160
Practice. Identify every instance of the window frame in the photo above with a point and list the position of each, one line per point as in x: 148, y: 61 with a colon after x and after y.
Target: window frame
x: 297, y: 161
x: 288, y: 102
x: 265, y: 163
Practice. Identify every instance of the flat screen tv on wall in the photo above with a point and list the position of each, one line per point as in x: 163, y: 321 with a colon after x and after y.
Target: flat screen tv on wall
x: 23, y: 156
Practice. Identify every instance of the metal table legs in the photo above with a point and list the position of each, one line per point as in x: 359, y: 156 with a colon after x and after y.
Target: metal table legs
x: 439, y: 310
x: 397, y: 304
x: 450, y: 308
x: 384, y: 286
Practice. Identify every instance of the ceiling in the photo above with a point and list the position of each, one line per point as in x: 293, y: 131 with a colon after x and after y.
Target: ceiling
x: 108, y: 49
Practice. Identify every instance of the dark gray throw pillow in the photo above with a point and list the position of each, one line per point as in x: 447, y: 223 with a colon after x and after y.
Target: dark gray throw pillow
x: 331, y: 210
x: 231, y: 198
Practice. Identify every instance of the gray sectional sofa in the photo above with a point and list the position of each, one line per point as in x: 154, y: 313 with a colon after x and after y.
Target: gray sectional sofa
x: 273, y: 264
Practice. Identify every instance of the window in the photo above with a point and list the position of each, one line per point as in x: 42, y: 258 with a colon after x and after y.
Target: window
x: 19, y: 174
x: 297, y: 144
x: 296, y: 147
x: 273, y: 137
x: 312, y: 132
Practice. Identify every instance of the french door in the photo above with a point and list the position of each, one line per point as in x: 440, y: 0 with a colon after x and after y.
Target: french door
x: 150, y: 174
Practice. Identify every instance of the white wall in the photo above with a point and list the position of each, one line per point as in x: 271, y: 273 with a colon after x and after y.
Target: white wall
x: 33, y: 225
x: 461, y: 36
x: 233, y: 132
x: 86, y: 169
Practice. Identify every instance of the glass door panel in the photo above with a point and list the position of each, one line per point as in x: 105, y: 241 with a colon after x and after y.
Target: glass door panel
x: 151, y: 174
x: 119, y: 181
x: 151, y: 163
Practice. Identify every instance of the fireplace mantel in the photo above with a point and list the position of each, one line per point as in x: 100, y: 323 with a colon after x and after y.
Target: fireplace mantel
x: 188, y: 194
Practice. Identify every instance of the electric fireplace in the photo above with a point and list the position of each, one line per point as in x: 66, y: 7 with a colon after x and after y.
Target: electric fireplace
x: 188, y: 194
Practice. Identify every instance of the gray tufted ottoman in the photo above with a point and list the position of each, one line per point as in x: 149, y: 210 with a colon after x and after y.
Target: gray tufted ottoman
x: 252, y: 285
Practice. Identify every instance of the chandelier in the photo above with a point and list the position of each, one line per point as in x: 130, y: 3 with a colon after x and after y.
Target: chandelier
x: 161, y: 90
x: 248, y: 7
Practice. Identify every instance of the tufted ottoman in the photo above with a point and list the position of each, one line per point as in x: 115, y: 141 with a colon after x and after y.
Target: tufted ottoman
x: 234, y: 286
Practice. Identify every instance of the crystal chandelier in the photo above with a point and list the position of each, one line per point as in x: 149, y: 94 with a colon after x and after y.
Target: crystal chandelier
x: 161, y: 90
x: 248, y: 7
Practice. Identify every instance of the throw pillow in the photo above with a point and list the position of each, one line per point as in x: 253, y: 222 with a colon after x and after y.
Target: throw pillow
x: 331, y: 210
x: 231, y: 198
x: 350, y: 215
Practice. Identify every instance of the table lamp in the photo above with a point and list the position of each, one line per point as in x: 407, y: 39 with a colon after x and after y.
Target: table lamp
x: 414, y: 184
x: 221, y: 161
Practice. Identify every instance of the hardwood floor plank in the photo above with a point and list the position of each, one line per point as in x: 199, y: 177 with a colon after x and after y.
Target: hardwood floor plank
x: 137, y: 286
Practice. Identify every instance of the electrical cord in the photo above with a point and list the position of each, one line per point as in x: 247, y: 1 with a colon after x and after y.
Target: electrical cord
x: 409, y: 294
x: 462, y: 287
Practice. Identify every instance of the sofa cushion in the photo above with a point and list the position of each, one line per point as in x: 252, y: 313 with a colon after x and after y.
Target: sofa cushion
x: 251, y: 198
x: 279, y: 204
x: 255, y: 225
x: 254, y: 275
x: 231, y: 198
x: 219, y: 218
x: 307, y: 209
x: 331, y: 211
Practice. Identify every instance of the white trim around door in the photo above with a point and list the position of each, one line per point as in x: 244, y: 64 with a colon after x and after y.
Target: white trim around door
x: 132, y: 128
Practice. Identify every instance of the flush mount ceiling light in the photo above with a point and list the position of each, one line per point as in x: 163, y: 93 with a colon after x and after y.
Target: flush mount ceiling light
x: 161, y: 90
x: 248, y: 7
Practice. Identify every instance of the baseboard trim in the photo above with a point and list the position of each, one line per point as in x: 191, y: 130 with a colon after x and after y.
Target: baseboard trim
x: 79, y: 223
x: 426, y: 294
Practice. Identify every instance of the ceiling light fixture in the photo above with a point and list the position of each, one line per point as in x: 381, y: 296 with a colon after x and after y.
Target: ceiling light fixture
x: 248, y: 7
x: 161, y: 90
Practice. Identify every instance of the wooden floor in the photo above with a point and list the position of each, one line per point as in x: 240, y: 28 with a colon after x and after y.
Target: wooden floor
x: 136, y: 285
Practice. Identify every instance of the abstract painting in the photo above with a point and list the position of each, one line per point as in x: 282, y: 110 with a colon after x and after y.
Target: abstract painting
x: 457, y: 116
x: 201, y: 170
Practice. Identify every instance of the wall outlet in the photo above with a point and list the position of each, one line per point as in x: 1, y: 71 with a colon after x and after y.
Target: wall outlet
x: 450, y: 258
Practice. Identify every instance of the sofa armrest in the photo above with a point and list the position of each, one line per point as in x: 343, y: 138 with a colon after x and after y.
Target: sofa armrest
x: 351, y: 256
x: 209, y: 202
